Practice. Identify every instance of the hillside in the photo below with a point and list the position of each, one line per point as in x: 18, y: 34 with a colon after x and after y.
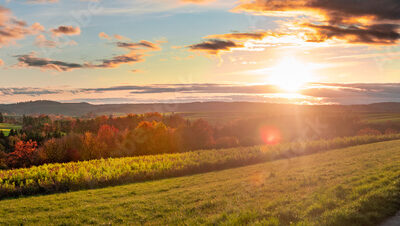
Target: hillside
x: 357, y: 185
x: 78, y: 109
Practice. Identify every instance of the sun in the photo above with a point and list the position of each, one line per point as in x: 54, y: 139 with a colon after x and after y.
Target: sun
x: 290, y: 75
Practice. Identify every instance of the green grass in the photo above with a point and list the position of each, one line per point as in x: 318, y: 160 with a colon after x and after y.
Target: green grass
x: 381, y: 118
x: 352, y: 186
x: 5, y: 127
x: 73, y: 176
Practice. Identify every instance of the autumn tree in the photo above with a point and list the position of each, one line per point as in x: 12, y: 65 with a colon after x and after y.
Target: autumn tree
x: 24, y: 154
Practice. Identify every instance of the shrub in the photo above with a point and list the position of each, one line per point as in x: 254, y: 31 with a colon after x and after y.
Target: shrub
x: 51, y: 178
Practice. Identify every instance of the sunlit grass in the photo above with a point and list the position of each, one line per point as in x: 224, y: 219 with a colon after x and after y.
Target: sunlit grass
x: 72, y: 176
x: 6, y: 127
x: 353, y: 186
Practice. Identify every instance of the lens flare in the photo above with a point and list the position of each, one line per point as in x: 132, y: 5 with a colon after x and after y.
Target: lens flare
x: 270, y: 135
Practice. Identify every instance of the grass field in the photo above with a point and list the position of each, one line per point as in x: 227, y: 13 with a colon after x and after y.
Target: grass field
x: 359, y: 185
x: 5, y: 127
x: 74, y: 176
x: 381, y: 118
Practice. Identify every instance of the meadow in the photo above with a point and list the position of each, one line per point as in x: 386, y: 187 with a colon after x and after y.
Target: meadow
x: 381, y: 118
x: 6, y: 127
x: 52, y: 178
x: 353, y: 186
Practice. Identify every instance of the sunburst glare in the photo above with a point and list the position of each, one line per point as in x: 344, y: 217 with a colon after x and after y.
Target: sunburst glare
x: 291, y: 75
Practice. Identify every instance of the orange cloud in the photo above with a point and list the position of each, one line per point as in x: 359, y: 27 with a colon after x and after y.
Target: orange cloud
x: 12, y: 29
x: 240, y: 36
x: 104, y: 35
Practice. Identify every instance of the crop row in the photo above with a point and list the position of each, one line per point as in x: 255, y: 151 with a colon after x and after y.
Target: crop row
x: 52, y: 178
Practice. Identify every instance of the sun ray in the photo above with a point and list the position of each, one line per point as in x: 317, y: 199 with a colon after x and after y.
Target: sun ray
x: 290, y: 75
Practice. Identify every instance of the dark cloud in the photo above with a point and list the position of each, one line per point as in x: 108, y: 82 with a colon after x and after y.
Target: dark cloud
x: 343, y: 9
x: 354, y: 21
x: 66, y: 30
x: 215, y: 46
x: 118, y: 60
x: 141, y: 44
x: 30, y: 60
x: 374, y: 34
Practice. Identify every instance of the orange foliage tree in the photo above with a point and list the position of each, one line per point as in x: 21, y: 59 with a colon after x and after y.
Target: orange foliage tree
x: 24, y: 154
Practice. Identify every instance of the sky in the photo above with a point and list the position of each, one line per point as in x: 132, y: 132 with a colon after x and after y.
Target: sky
x: 162, y: 51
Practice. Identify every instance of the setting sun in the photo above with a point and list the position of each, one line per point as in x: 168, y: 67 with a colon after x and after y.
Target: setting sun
x: 290, y: 75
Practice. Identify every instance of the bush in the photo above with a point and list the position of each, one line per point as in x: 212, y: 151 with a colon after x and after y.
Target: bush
x: 51, y: 178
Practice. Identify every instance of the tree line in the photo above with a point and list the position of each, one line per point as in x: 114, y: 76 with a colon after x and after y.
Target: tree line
x: 43, y: 139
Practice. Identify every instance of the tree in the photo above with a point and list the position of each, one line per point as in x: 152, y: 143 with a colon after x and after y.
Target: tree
x: 107, y: 137
x: 1, y: 118
x: 24, y: 154
x: 154, y: 138
x: 198, y: 135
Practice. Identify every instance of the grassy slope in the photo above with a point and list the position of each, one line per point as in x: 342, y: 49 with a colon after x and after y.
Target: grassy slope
x: 357, y: 185
x: 381, y: 118
x: 53, y: 178
x: 5, y: 127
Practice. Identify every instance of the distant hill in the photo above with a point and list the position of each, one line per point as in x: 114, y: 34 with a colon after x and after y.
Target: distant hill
x: 78, y: 109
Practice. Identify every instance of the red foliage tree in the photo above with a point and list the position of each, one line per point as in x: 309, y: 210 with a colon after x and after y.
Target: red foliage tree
x: 24, y: 154
x: 108, y: 137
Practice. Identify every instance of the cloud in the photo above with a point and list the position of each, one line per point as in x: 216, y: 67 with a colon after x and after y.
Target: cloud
x: 353, y: 21
x: 249, y: 41
x: 215, y: 46
x: 104, y: 35
x: 41, y: 1
x: 141, y: 44
x: 29, y: 91
x: 189, y: 88
x: 385, y: 34
x: 66, y: 30
x: 197, y: 1
x: 120, y: 37
x: 240, y: 36
x: 42, y: 41
x: 136, y: 54
x: 317, y: 93
x: 12, y: 29
x: 30, y: 60
x: 116, y: 61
